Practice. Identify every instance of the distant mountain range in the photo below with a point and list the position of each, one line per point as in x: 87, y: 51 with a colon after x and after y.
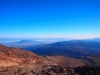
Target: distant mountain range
x: 36, y: 42
x: 94, y: 39
x: 70, y: 47
x: 24, y: 43
x: 87, y: 49
x: 78, y: 49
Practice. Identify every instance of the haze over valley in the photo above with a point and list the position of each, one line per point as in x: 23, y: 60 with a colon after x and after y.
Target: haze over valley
x: 84, y: 49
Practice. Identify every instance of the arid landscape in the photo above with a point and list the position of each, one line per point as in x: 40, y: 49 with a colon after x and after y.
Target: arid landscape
x: 10, y: 56
x: 14, y: 61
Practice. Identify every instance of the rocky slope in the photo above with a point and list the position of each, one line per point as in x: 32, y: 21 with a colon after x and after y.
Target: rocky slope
x: 67, y: 61
x: 32, y: 69
x: 10, y: 56
x: 14, y: 61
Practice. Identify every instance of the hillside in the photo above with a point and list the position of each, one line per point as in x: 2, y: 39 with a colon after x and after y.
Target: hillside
x: 10, y: 56
x: 78, y: 49
x: 70, y: 47
x: 14, y: 61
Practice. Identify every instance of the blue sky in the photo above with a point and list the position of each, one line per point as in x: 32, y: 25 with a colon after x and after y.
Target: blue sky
x: 49, y: 18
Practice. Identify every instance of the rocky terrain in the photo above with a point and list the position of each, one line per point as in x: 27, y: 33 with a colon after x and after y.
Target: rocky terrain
x: 10, y: 56
x: 36, y: 69
x: 67, y: 61
x: 14, y: 61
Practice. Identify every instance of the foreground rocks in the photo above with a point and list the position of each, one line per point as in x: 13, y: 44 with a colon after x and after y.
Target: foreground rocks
x: 37, y: 69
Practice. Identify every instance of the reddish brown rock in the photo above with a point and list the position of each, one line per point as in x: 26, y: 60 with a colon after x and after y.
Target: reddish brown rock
x: 10, y: 56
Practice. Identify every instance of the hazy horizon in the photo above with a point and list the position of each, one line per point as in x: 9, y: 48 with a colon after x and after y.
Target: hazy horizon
x: 81, y: 37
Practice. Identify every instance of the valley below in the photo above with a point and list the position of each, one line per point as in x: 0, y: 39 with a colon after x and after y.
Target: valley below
x: 60, y: 58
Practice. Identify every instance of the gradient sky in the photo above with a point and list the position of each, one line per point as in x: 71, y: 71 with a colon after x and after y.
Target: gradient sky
x: 49, y: 18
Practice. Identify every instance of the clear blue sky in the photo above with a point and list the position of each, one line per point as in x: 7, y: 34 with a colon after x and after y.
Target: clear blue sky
x: 49, y: 18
